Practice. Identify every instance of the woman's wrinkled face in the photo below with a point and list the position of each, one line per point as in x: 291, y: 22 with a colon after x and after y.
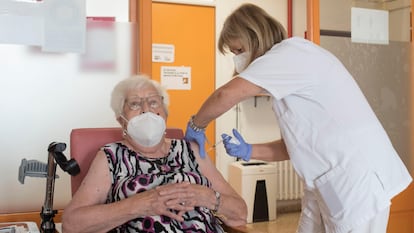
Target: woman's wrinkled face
x: 139, y: 101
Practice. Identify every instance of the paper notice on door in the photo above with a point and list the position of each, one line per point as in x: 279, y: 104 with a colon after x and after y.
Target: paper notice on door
x: 163, y: 53
x: 176, y: 77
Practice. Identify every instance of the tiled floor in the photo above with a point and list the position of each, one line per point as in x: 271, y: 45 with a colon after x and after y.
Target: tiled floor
x: 284, y: 223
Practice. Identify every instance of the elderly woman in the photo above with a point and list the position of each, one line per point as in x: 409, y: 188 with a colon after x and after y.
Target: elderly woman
x: 148, y: 183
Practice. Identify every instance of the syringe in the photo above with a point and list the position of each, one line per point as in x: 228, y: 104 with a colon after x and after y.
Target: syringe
x: 232, y: 140
x: 215, y: 145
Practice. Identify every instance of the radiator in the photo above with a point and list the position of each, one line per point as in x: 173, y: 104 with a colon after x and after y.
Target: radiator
x: 289, y: 186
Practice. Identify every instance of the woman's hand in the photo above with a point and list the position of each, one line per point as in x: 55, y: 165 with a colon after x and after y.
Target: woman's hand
x: 190, y: 195
x: 159, y: 201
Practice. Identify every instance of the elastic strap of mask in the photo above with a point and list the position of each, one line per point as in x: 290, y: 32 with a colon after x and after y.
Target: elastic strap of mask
x: 124, y: 131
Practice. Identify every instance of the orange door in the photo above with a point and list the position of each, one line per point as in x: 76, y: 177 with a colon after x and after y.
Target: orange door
x: 191, y: 29
x: 402, y: 212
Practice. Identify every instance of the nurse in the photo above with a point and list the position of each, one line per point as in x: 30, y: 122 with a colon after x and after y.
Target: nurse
x: 329, y: 132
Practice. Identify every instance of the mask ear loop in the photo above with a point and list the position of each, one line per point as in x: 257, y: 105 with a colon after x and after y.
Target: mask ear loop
x: 124, y: 130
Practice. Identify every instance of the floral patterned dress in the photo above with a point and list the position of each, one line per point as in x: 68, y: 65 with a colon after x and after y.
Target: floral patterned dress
x: 133, y: 173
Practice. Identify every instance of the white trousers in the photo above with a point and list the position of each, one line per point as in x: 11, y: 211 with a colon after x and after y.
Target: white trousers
x: 311, y: 219
x: 378, y: 224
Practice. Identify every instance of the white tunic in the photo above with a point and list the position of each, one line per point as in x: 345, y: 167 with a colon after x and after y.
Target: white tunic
x: 335, y: 142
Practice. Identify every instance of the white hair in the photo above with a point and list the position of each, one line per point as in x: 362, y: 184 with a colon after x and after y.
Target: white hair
x: 119, y: 93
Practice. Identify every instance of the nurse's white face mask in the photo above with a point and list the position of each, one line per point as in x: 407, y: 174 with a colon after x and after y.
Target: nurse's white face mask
x: 241, y: 61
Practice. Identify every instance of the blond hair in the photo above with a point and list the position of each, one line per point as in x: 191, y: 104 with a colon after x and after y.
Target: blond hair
x: 256, y: 30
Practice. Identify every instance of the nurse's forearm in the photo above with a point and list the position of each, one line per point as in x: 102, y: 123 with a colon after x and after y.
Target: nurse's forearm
x: 209, y: 111
x: 217, y: 104
x: 271, y: 151
x: 223, y: 99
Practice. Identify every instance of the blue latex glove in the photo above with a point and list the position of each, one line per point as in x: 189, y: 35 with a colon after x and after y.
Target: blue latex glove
x: 198, y: 137
x: 237, y: 148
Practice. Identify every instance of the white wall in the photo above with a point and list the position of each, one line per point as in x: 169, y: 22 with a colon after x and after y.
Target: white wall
x: 42, y: 97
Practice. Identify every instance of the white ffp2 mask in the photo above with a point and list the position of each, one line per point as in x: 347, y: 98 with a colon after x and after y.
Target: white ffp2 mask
x: 241, y: 61
x: 146, y: 129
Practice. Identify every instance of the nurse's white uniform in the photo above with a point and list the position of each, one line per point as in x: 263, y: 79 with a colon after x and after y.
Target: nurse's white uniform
x: 335, y: 142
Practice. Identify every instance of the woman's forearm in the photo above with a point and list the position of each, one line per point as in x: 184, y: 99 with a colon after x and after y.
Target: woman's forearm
x: 97, y: 218
x: 232, y: 210
x: 104, y: 217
